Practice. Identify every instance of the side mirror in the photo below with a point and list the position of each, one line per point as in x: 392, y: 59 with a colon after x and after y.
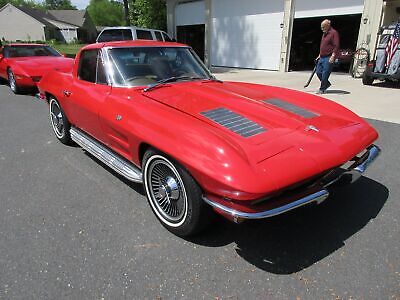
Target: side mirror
x: 1, y: 56
x: 64, y: 55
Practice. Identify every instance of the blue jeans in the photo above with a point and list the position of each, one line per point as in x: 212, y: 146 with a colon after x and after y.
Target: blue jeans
x: 324, y: 69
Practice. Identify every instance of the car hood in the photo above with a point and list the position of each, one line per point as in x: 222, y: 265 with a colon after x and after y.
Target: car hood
x: 38, y: 66
x: 288, y: 119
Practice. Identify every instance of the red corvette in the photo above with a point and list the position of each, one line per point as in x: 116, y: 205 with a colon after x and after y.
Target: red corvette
x: 152, y: 112
x: 23, y: 65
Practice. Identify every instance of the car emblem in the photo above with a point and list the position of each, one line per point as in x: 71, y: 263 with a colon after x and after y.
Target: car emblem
x: 311, y: 127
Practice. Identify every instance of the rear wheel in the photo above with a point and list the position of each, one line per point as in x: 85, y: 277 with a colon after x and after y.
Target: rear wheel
x: 59, y: 122
x: 12, y: 82
x: 174, y: 195
x: 367, y: 79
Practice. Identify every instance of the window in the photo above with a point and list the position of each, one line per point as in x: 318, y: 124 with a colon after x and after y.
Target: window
x: 166, y: 37
x: 115, y: 35
x: 31, y: 50
x: 143, y: 34
x: 158, y: 36
x: 87, y: 65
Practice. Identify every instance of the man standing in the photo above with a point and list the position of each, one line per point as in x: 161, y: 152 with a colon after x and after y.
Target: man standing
x: 329, y: 48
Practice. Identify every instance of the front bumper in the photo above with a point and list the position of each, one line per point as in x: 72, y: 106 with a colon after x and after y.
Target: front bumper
x: 318, y: 193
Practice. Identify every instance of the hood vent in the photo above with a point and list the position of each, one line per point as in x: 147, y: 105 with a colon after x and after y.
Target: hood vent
x: 234, y: 122
x: 291, y: 108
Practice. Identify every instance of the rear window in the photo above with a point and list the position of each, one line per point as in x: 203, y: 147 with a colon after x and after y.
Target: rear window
x: 109, y: 35
x: 143, y: 34
x: 30, y: 50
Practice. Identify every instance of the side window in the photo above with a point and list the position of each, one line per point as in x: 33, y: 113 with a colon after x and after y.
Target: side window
x: 166, y: 37
x: 126, y: 34
x: 158, y: 36
x: 87, y: 65
x: 143, y: 34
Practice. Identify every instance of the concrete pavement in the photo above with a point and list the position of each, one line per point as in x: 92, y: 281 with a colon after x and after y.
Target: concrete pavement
x: 381, y: 101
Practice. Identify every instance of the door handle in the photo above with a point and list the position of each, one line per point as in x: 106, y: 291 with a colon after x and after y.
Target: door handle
x: 67, y: 93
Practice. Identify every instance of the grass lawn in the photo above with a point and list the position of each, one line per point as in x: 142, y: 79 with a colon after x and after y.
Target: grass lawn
x: 69, y: 49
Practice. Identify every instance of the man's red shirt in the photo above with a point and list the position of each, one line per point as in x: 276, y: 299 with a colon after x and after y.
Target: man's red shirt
x: 329, y: 43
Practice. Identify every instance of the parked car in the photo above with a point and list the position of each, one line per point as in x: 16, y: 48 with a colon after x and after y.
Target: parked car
x: 126, y: 33
x: 153, y: 112
x: 344, y: 57
x: 23, y: 65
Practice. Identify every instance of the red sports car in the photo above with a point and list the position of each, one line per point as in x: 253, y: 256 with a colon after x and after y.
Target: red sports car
x: 23, y: 65
x: 152, y: 112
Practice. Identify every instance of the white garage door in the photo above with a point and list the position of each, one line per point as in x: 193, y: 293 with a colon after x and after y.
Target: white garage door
x: 246, y: 34
x: 308, y: 9
x: 190, y: 13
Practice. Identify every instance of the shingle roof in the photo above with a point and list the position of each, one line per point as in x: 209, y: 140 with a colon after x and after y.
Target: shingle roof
x: 37, y: 14
x: 74, y: 17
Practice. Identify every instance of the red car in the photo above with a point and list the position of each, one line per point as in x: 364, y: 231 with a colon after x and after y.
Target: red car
x: 23, y: 65
x: 152, y: 112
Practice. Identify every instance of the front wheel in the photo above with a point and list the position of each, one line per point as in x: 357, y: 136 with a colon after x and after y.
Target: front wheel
x: 174, y: 195
x: 59, y: 122
x: 13, y: 82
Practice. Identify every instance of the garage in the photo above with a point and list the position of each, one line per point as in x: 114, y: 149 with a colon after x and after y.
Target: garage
x: 306, y: 35
x: 246, y: 36
x: 190, y: 25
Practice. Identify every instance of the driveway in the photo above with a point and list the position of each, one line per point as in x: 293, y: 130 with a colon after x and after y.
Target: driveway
x: 70, y: 228
x: 381, y: 101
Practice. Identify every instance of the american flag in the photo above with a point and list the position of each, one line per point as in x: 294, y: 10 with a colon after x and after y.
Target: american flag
x: 392, y: 45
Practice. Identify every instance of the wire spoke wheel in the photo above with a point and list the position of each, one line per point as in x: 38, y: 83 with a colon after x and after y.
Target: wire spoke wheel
x: 174, y: 195
x: 59, y: 122
x: 12, y: 81
x: 56, y: 118
x: 166, y: 191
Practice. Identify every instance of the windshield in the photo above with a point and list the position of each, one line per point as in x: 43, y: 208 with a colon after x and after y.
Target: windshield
x: 138, y: 66
x: 31, y: 50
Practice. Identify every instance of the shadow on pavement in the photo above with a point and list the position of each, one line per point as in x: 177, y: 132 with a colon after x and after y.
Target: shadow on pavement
x: 341, y: 92
x: 294, y: 241
x: 387, y: 84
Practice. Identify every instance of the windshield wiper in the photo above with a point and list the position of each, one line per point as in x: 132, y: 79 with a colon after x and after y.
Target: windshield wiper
x: 169, y: 79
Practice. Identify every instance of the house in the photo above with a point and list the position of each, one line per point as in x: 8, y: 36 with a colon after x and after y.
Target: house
x: 273, y: 34
x: 28, y: 24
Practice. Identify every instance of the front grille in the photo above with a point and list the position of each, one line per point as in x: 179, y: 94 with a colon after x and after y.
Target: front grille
x: 234, y: 122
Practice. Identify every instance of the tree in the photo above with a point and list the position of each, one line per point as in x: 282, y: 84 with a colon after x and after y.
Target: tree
x: 106, y: 12
x: 126, y: 12
x: 148, y: 13
x: 28, y: 3
x: 59, y: 4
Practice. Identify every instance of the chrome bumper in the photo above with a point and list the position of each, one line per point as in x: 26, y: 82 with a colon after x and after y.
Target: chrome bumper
x: 353, y: 173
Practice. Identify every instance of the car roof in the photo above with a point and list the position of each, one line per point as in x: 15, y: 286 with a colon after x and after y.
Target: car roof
x: 129, y: 27
x: 134, y: 43
x: 25, y: 44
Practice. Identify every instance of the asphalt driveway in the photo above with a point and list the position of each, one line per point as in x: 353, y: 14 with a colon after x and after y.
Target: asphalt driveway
x: 71, y: 228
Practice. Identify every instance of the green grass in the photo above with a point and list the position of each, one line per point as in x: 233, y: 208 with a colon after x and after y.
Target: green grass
x: 69, y: 49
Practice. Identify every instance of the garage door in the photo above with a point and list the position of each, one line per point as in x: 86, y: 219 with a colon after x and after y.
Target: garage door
x: 246, y: 35
x: 308, y: 9
x: 190, y: 13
